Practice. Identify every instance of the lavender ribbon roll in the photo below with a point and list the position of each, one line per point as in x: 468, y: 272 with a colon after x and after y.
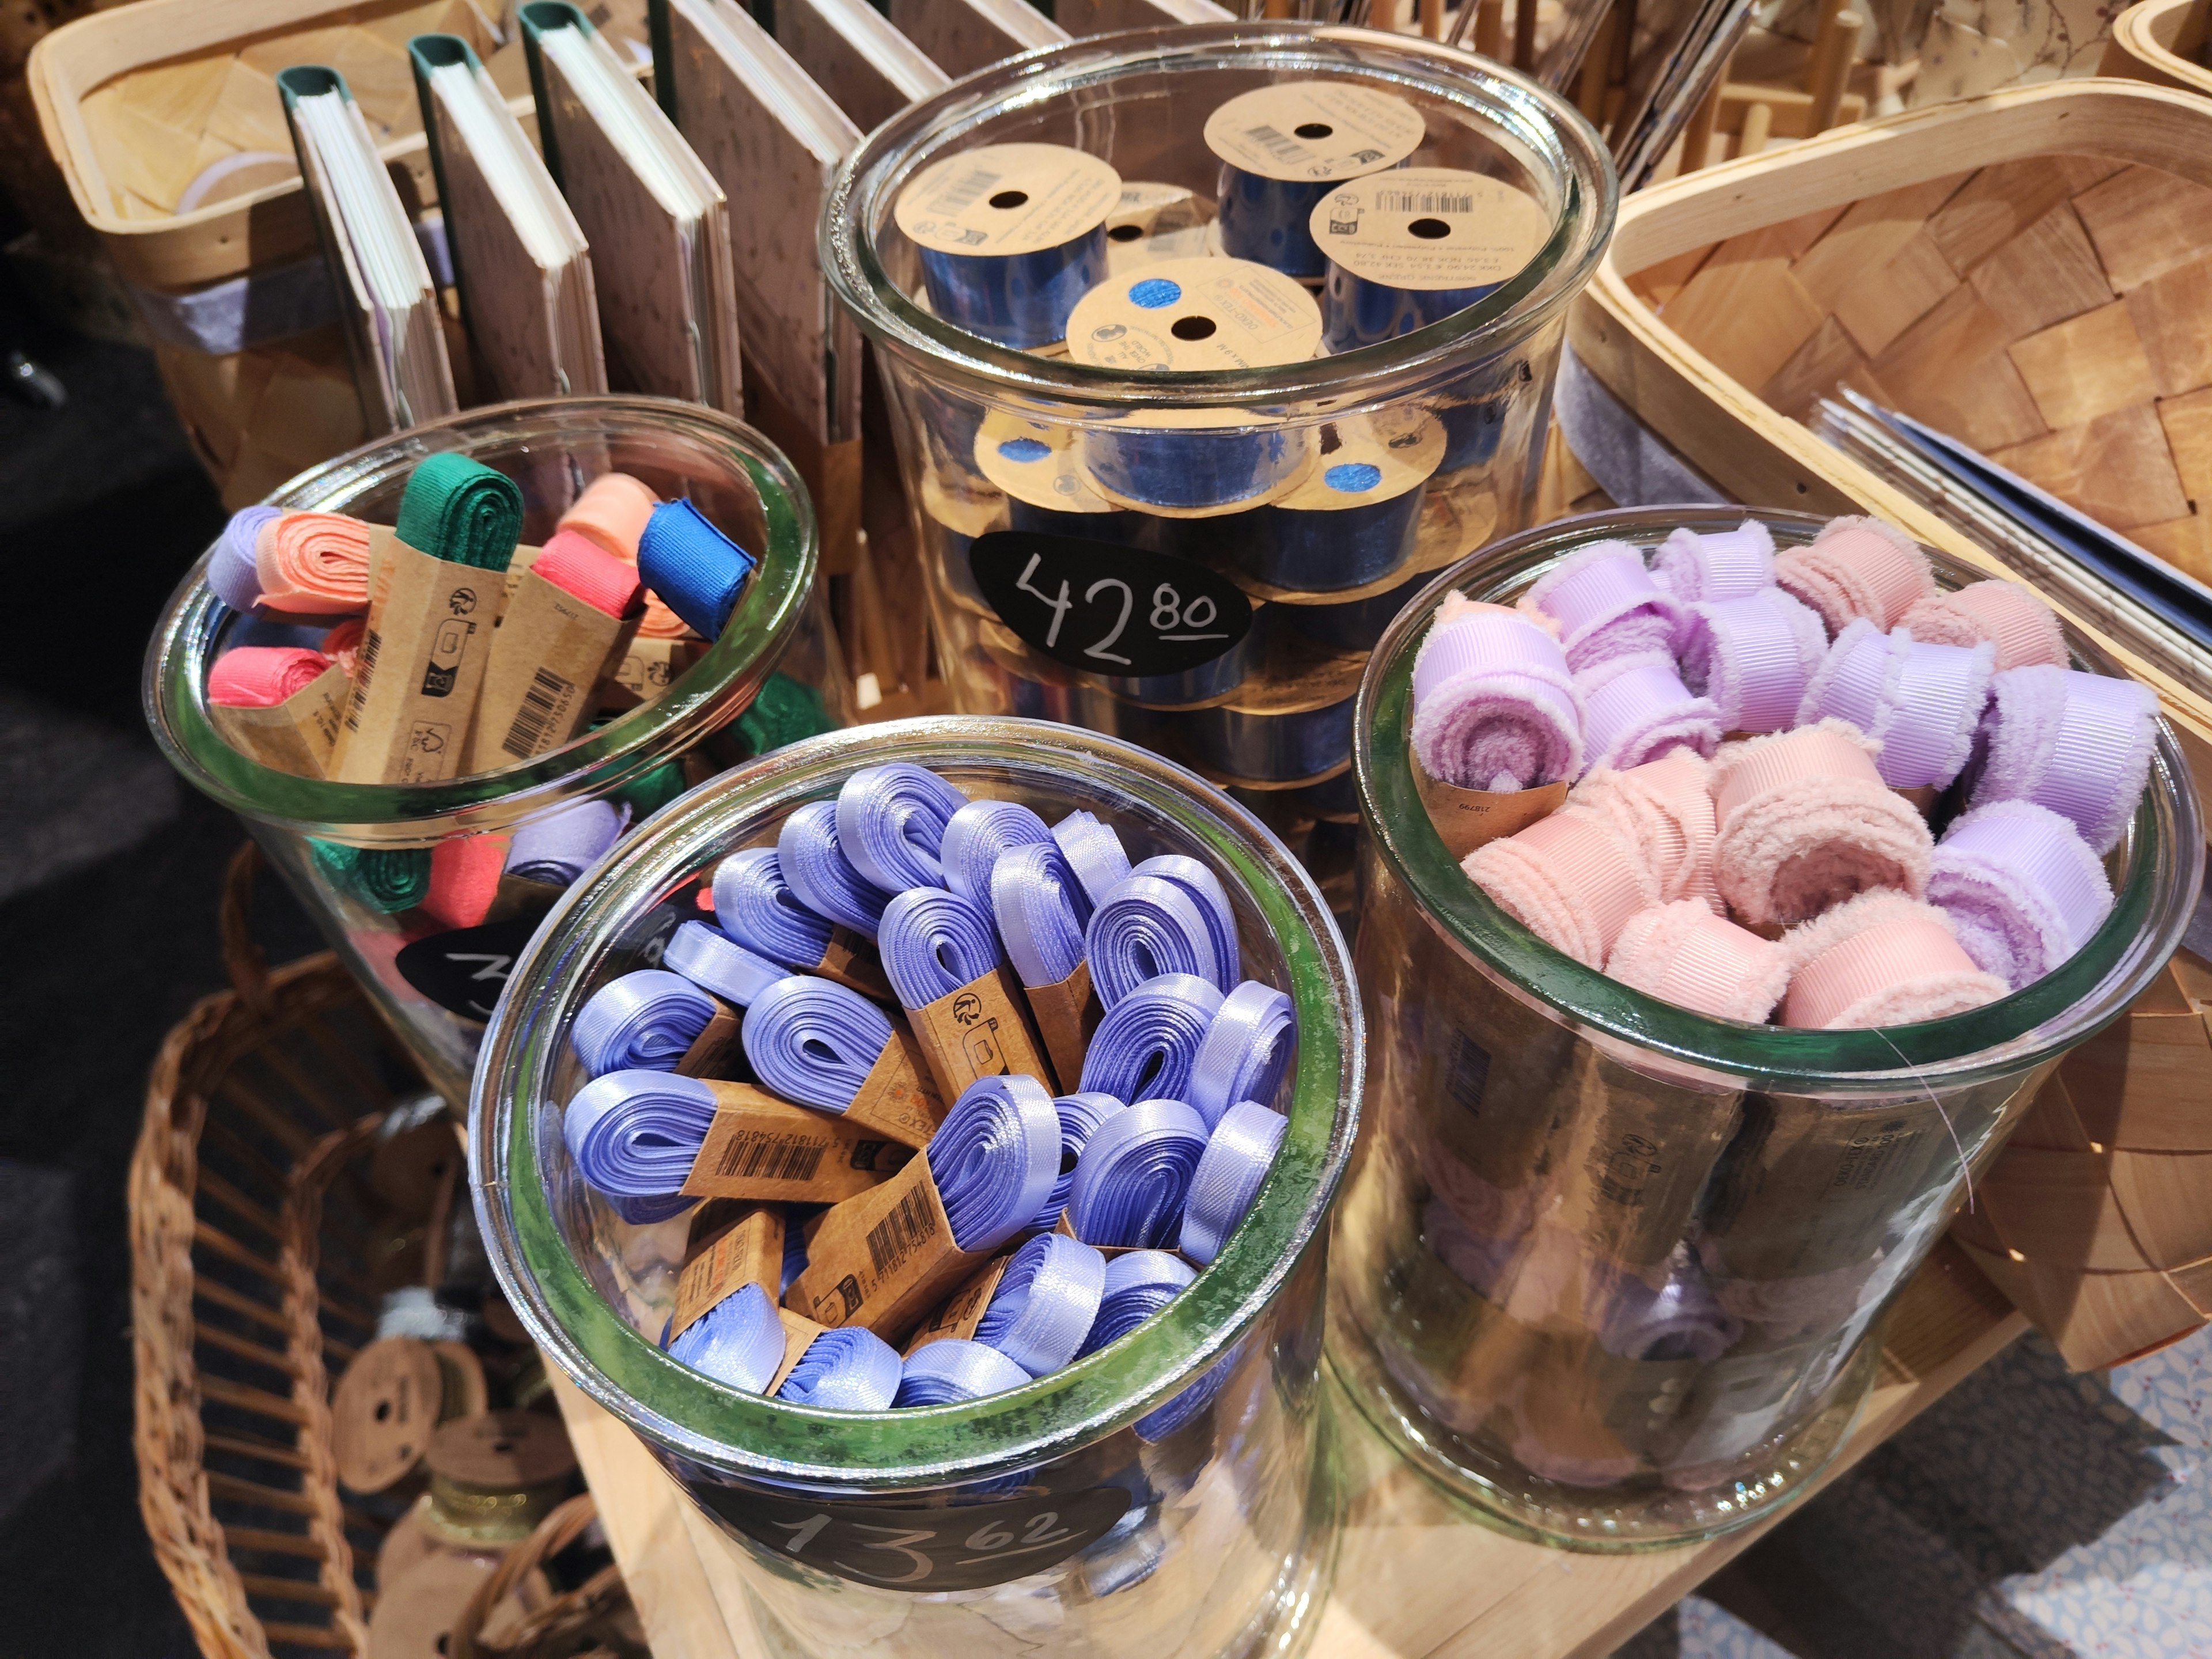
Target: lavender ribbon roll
x: 231, y: 570
x: 1094, y: 853
x: 994, y: 1159
x: 891, y: 822
x: 2078, y: 743
x: 1723, y: 565
x: 813, y: 1042
x: 1921, y: 702
x: 950, y: 1369
x: 757, y: 908
x: 713, y: 962
x: 933, y: 943
x: 739, y: 1341
x: 977, y: 836
x: 1138, y: 1286
x: 1042, y: 910
x: 2023, y: 891
x: 644, y: 1020
x: 1751, y: 657
x: 813, y: 863
x: 850, y: 1368
x: 1237, y: 1156
x: 634, y: 1135
x: 1149, y: 1041
x: 1607, y: 606
x: 1245, y: 1052
x: 1205, y: 891
x: 1494, y: 703
x: 1045, y: 1304
x: 1148, y: 926
x: 1637, y: 708
x: 1132, y: 1178
x: 1079, y: 1118
x: 558, y: 847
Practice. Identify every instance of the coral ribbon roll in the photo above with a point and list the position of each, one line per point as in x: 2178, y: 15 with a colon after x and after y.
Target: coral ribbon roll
x: 1606, y: 605
x: 1569, y: 879
x: 2012, y: 619
x: 312, y: 563
x: 933, y: 942
x: 578, y: 566
x: 1045, y: 1304
x: 1684, y: 954
x: 1080, y: 1117
x: 1132, y: 1178
x: 1206, y: 892
x: 1923, y: 703
x: 891, y: 822
x: 1094, y: 853
x: 1681, y: 1320
x: 1246, y: 1051
x: 1714, y: 569
x: 850, y: 1368
x: 342, y: 642
x: 634, y: 1135
x: 1148, y: 1043
x: 1857, y: 567
x: 231, y: 571
x: 739, y: 1341
x: 2023, y: 891
x: 1881, y: 959
x: 994, y: 1159
x: 465, y: 872
x: 1663, y: 810
x: 812, y: 861
x: 612, y: 513
x: 660, y: 622
x: 812, y: 1042
x: 1042, y: 910
x: 263, y: 676
x: 1806, y: 821
x: 2078, y: 743
x: 1237, y: 1156
x: 1636, y: 708
x: 643, y: 1021
x: 713, y: 962
x: 755, y: 906
x: 1752, y: 656
x: 696, y: 570
x: 1138, y: 1286
x: 977, y: 836
x: 1494, y: 703
x: 1147, y: 926
x: 952, y: 1369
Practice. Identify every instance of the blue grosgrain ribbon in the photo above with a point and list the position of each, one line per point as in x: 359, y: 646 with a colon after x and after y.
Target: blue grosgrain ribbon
x: 644, y: 1019
x: 850, y: 1368
x: 1045, y: 1303
x: 933, y: 942
x: 1147, y: 926
x: 755, y: 906
x: 1041, y: 911
x: 949, y: 1370
x: 1134, y: 1173
x: 1206, y: 892
x: 634, y: 1135
x: 977, y: 837
x: 812, y: 1042
x: 1079, y: 1118
x: 1093, y: 852
x: 891, y: 822
x: 712, y: 961
x: 994, y: 1158
x: 737, y: 1341
x: 812, y: 861
x: 697, y: 571
x: 1246, y: 1051
x: 1138, y: 1286
x: 1236, y: 1161
x: 1148, y: 1043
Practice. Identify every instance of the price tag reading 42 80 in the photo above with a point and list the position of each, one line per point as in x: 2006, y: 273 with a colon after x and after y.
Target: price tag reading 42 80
x: 1108, y: 610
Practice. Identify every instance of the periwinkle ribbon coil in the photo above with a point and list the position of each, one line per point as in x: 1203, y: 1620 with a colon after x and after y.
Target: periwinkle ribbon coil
x: 977, y: 837
x: 850, y: 1368
x: 1158, y: 1425
x: 933, y: 942
x: 643, y: 1021
x: 697, y: 571
x: 737, y: 1341
x: 1133, y: 1176
x: 1206, y: 892
x: 891, y: 824
x: 231, y: 569
x: 813, y: 1042
x: 950, y: 1369
x: 634, y: 1133
x: 1042, y: 910
x: 809, y: 853
x: 1080, y: 1117
x: 560, y: 846
x: 712, y: 960
x: 1138, y: 1286
x: 1045, y: 1304
x: 1094, y: 853
x: 756, y: 906
x: 1148, y: 1043
x: 1236, y: 1161
x: 1148, y: 926
x: 1245, y: 1052
x: 994, y: 1159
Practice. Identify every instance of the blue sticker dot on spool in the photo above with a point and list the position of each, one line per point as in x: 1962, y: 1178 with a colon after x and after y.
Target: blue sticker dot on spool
x: 1025, y: 449
x: 1154, y: 292
x: 1351, y: 477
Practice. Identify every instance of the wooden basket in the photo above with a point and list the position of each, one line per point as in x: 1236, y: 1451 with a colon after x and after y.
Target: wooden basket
x: 2141, y: 46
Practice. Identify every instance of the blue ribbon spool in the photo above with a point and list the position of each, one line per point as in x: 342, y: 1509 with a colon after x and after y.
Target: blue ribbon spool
x: 1273, y: 748
x: 756, y: 906
x: 1147, y: 926
x: 1138, y: 1286
x: 1246, y: 1051
x: 934, y: 942
x: 1042, y: 912
x: 977, y: 836
x: 1036, y: 465
x: 644, y: 1020
x: 1161, y: 465
x: 1238, y: 1156
x: 1019, y: 299
x: 994, y: 1159
x: 739, y: 1341
x: 634, y: 1135
x: 1216, y: 678
x: 1146, y: 1045
x: 952, y: 1369
x: 1357, y: 516
x: 1285, y: 147
x: 1355, y: 624
x: 1131, y: 1181
x: 891, y: 823
x: 697, y: 571
x: 813, y: 863
x: 812, y: 1042
x: 1079, y: 1118
x: 1265, y: 220
x: 850, y: 1368
x: 713, y: 962
x: 1046, y: 1302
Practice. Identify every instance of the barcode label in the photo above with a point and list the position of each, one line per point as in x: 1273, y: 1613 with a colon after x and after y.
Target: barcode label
x: 898, y: 1235
x: 963, y: 192
x: 548, y: 696
x: 364, y: 664
x: 1282, y: 149
x: 771, y: 1158
x: 1425, y: 201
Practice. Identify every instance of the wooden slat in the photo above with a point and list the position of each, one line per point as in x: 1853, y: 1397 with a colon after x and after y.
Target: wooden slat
x: 249, y: 1399
x: 2084, y: 368
x: 267, y: 1450
x: 2116, y: 469
x: 2046, y: 274
x: 208, y: 1238
x: 223, y: 1297
x: 305, y: 1635
x: 214, y: 1336
x: 306, y: 1591
x: 219, y: 1484
x: 250, y: 1539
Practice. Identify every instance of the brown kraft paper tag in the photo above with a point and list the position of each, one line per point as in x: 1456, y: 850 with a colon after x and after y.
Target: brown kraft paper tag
x: 799, y: 1335
x: 542, y: 680
x: 420, y: 667
x: 976, y: 1031
x: 882, y: 1260
x: 524, y: 557
x: 763, y: 1148
x: 959, y: 1314
x: 716, y: 1045
x: 296, y: 736
x: 1468, y: 818
x: 1066, y: 1228
x: 647, y: 668
x: 898, y: 1099
x: 1066, y: 1014
x: 732, y: 1245
x: 850, y: 961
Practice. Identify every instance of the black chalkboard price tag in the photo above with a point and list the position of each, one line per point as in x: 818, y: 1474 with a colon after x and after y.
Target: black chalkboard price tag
x: 464, y: 970
x: 1108, y: 610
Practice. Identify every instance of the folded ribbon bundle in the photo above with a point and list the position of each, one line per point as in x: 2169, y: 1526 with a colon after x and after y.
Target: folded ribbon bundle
x: 1606, y: 606
x: 953, y: 1368
x: 977, y: 836
x: 1148, y: 1043
x: 1130, y: 1180
x: 696, y: 570
x: 934, y: 942
x: 612, y: 513
x: 263, y: 676
x: 1094, y: 853
x: 1080, y: 1114
x: 755, y: 906
x: 1684, y: 954
x: 233, y: 571
x: 313, y: 563
x: 1663, y: 810
x: 1569, y: 879
x: 2078, y: 743
x: 1138, y: 1286
x: 739, y: 1341
x: 813, y: 862
x: 1494, y: 702
x: 813, y: 1042
x: 1045, y: 1303
x: 635, y: 1135
x: 713, y: 962
x: 847, y: 1369
x: 1752, y: 656
x: 891, y: 822
x: 2022, y: 889
x: 1147, y: 926
x: 1921, y: 702
x: 1245, y: 1052
x: 1238, y: 1156
x: 1636, y: 708
x: 645, y: 1019
x: 1042, y: 911
x: 557, y: 847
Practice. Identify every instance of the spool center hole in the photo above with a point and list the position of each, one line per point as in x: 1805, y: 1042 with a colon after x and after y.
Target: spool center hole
x: 1192, y: 328
x: 502, y: 1447
x: 383, y: 1411
x: 1124, y: 233
x: 1313, y: 130
x: 1010, y: 199
x: 1429, y: 230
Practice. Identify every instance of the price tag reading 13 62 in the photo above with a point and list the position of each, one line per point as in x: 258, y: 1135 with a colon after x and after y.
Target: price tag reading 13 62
x: 1108, y: 610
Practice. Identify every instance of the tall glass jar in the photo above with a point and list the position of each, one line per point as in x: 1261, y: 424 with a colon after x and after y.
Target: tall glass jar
x: 900, y: 1535
x: 1549, y: 1152
x: 435, y: 984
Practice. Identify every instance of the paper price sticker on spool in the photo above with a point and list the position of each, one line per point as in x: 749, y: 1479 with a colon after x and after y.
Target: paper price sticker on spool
x: 1314, y: 129
x: 1108, y: 610
x: 1430, y: 229
x: 1007, y: 199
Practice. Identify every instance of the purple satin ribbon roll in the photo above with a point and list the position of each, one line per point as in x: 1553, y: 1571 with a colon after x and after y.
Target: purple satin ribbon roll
x: 933, y: 942
x: 2023, y: 891
x: 1094, y: 853
x: 713, y: 962
x: 739, y: 1341
x: 2078, y: 743
x: 1753, y: 657
x: 1923, y: 703
x: 891, y: 824
x: 1237, y: 1156
x: 951, y: 1369
x: 1042, y: 910
x: 1138, y: 1286
x: 1132, y: 1178
x: 1637, y: 708
x: 812, y: 1042
x: 1494, y: 704
x: 231, y: 570
x: 977, y: 836
x: 756, y: 906
x: 1206, y: 892
x: 814, y: 864
x: 1147, y: 926
x: 1714, y: 568
x: 994, y: 1159
x: 634, y: 1135
x: 847, y: 1370
x: 1045, y: 1304
x: 642, y: 1021
x: 1080, y: 1117
x: 558, y: 847
x: 1607, y: 606
x: 1246, y: 1051
x: 1148, y: 1042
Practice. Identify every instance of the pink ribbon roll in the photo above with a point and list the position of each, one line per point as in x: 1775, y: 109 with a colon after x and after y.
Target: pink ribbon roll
x: 1664, y: 810
x: 314, y: 564
x: 612, y: 515
x: 1494, y: 706
x: 1637, y: 708
x: 1727, y: 564
x: 577, y: 565
x: 2078, y: 743
x: 263, y: 676
x: 2014, y: 619
x: 1806, y: 822
x: 1753, y: 657
x: 1881, y: 959
x: 1857, y: 567
x: 465, y: 872
x: 2022, y: 889
x: 1921, y: 702
x: 342, y: 641
x: 1569, y: 879
x: 1684, y: 954
x: 1606, y: 606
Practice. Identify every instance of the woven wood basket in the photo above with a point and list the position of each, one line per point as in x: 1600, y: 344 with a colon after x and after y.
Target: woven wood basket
x: 2142, y: 47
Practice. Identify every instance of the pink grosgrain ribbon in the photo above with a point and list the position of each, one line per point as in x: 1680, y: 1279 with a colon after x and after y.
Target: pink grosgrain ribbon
x: 1809, y: 753
x: 1910, y: 946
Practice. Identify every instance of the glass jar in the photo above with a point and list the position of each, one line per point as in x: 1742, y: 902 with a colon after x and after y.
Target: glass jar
x: 1270, y: 711
x: 435, y: 984
x: 903, y: 1533
x: 1553, y: 1156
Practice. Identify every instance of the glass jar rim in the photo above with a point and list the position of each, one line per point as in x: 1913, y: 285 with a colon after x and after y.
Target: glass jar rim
x: 2151, y: 907
x: 615, y: 755
x: 1546, y: 129
x: 789, y: 1445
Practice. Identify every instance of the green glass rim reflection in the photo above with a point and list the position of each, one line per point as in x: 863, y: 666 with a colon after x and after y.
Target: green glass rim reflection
x: 720, y: 685
x: 791, y: 1446
x: 2155, y: 888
